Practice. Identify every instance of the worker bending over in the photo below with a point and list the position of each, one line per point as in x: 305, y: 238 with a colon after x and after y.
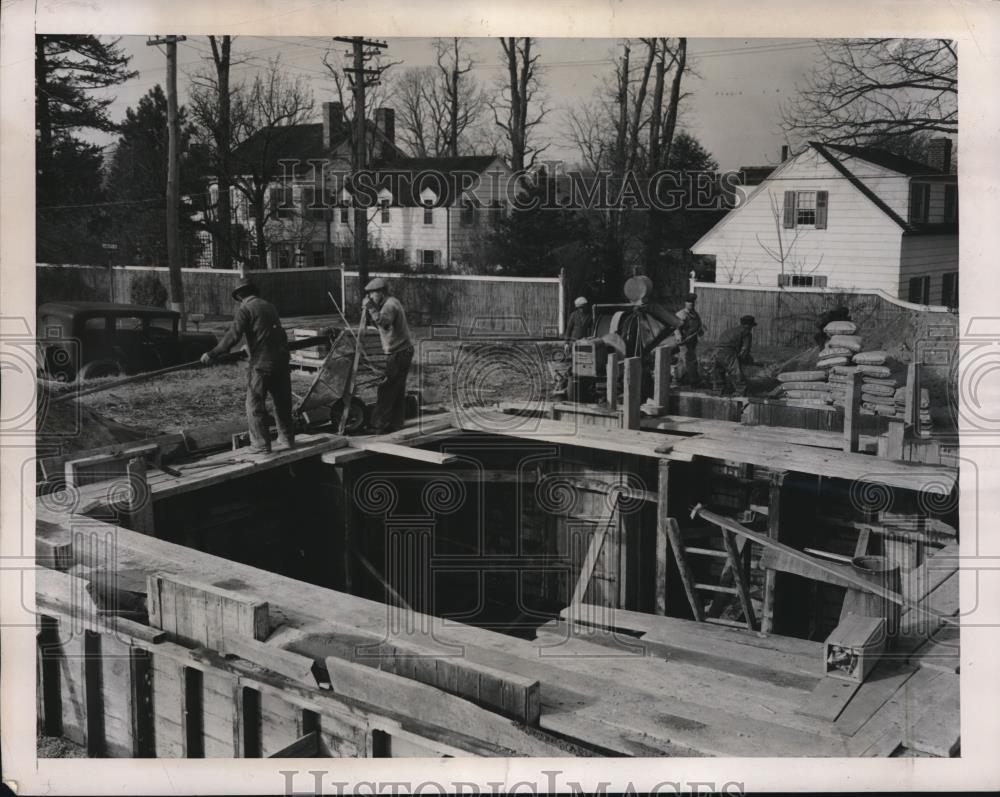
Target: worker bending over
x: 732, y: 352
x: 257, y: 322
x: 387, y: 314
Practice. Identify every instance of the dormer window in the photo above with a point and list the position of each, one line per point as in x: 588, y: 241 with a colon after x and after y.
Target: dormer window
x: 428, y: 212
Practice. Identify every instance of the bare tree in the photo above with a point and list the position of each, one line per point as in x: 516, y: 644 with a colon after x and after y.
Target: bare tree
x: 864, y: 90
x: 514, y: 111
x: 261, y: 116
x: 783, y: 250
x: 463, y: 98
x: 416, y: 112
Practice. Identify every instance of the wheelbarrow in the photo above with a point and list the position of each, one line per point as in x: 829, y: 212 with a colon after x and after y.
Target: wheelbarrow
x: 346, y: 370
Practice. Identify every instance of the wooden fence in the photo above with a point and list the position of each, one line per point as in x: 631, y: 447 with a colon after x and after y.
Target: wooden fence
x: 477, y: 305
x: 788, y: 316
x: 300, y: 291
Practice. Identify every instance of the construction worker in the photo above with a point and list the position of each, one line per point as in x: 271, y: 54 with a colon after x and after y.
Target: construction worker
x: 732, y: 352
x: 579, y: 325
x: 687, y: 338
x: 387, y: 314
x: 256, y: 320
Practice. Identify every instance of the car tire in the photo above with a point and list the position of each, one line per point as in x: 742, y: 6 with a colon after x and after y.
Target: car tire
x: 99, y: 369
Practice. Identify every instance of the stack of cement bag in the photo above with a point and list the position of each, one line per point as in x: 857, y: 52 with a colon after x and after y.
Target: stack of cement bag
x: 842, y: 345
x: 878, y: 386
x: 806, y: 387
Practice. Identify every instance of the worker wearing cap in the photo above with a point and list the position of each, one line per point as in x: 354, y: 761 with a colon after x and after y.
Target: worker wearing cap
x: 387, y: 314
x: 579, y: 325
x: 256, y: 320
x: 732, y: 352
x: 687, y: 335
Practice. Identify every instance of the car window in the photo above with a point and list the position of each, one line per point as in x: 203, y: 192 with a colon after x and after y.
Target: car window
x: 125, y: 324
x: 161, y: 326
x: 96, y: 322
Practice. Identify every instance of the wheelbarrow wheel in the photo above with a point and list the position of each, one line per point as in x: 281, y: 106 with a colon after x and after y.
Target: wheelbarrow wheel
x: 357, y: 415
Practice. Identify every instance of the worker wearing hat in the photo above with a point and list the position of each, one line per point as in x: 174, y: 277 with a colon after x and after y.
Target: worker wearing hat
x: 256, y: 320
x: 687, y: 335
x: 732, y: 352
x: 387, y: 314
x: 579, y: 325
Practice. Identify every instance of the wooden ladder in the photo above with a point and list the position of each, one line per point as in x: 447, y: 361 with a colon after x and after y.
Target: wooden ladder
x: 733, y: 570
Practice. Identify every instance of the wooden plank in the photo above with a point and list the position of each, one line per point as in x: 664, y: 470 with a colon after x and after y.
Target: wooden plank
x: 381, y: 689
x: 593, y: 553
x: 105, y: 467
x: 139, y: 507
x: 662, y: 541
x: 736, y: 567
x: 611, y: 393
x: 937, y: 730
x: 687, y: 577
x: 94, y: 694
x: 406, y: 452
x: 284, y: 662
x: 306, y: 746
x: 53, y: 546
x: 828, y: 699
x: 196, y: 623
x: 784, y: 562
x: 632, y: 398
x: 884, y: 681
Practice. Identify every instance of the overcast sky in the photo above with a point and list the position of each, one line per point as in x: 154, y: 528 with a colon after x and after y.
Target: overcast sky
x: 733, y: 108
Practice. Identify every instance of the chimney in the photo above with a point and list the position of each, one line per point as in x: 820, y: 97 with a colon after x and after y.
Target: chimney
x: 385, y: 123
x: 939, y: 154
x: 784, y: 152
x: 333, y: 122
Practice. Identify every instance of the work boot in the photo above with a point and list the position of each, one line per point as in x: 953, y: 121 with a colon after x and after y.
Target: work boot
x: 286, y: 442
x: 260, y: 449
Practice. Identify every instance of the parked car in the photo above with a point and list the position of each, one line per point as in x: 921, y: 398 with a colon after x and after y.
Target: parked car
x: 87, y: 340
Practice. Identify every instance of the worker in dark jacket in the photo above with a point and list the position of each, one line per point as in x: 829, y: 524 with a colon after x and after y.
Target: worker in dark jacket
x: 687, y: 338
x: 387, y: 314
x: 257, y: 322
x: 579, y: 325
x: 732, y: 352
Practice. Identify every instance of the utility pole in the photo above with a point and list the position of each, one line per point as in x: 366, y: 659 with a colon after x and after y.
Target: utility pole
x: 173, y: 197
x: 362, y: 49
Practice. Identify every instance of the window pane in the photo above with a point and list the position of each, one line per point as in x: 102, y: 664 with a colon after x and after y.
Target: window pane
x: 806, y: 208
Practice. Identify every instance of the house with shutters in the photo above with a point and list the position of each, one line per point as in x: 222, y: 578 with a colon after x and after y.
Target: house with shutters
x: 846, y: 218
x: 422, y: 213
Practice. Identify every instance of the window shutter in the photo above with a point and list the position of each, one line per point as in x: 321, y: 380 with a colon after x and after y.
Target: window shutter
x: 789, y: 210
x: 821, y: 205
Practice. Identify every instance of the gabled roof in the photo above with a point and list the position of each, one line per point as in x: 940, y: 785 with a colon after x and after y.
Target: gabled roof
x: 885, y: 159
x: 462, y: 163
x: 301, y: 142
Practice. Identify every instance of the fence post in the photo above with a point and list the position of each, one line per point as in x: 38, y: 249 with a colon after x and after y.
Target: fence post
x: 562, y: 301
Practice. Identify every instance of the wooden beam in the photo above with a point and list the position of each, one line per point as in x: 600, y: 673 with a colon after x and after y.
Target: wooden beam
x: 912, y: 393
x: 632, y: 399
x: 139, y: 505
x: 893, y: 440
x: 736, y: 567
x: 612, y: 385
x: 852, y: 413
x: 107, y: 466
x: 593, y: 554
x: 291, y: 665
x: 662, y: 518
x: 399, y: 450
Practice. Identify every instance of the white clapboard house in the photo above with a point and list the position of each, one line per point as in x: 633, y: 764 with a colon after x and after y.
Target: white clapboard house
x: 846, y: 218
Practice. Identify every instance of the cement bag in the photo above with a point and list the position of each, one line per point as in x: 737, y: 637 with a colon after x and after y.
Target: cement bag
x: 875, y: 370
x: 886, y: 401
x: 845, y: 370
x: 871, y: 358
x: 802, y: 376
x: 867, y: 388
x: 820, y: 396
x: 829, y: 362
x: 878, y: 409
x: 805, y: 386
x: 852, y: 342
x: 878, y: 380
x: 840, y: 328
x: 836, y: 351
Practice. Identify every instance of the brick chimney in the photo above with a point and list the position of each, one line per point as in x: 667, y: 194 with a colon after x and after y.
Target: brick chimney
x: 784, y: 152
x: 939, y: 154
x: 333, y: 123
x: 385, y: 123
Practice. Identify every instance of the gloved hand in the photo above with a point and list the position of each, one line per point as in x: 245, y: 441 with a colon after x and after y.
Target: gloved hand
x: 206, y: 359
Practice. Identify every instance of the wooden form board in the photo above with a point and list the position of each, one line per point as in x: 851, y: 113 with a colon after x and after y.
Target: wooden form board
x: 612, y: 702
x: 203, y: 614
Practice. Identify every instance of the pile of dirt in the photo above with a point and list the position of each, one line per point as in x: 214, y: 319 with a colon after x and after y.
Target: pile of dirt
x: 75, y: 427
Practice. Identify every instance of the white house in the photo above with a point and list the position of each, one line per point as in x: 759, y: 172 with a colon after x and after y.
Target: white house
x: 850, y: 218
x: 432, y: 212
